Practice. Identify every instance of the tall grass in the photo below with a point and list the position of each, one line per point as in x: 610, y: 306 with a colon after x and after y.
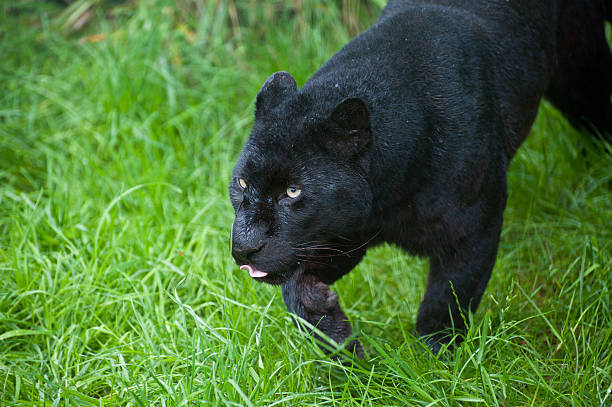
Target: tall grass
x: 117, y: 288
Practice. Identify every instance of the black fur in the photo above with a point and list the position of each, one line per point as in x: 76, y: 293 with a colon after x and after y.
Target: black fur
x: 405, y: 136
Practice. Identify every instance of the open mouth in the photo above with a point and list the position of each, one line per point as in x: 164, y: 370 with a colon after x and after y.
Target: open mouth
x: 273, y: 278
x: 253, y: 272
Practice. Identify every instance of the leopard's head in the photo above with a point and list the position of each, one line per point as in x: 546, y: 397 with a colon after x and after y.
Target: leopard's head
x: 300, y: 182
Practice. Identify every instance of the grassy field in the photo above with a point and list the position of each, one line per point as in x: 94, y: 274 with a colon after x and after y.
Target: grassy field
x: 117, y: 141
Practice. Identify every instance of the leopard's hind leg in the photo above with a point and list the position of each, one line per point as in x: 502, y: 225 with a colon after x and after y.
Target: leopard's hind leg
x: 581, y: 84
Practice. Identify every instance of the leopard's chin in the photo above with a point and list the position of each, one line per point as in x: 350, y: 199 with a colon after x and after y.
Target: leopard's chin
x: 274, y: 279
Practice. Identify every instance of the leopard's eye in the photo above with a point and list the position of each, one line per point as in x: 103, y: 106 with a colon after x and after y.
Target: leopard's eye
x: 293, y: 192
x: 242, y: 183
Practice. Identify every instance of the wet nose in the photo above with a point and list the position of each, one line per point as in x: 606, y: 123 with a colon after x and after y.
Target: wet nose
x: 243, y: 254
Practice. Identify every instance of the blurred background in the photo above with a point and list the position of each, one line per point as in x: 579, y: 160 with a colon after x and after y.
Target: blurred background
x: 119, y: 125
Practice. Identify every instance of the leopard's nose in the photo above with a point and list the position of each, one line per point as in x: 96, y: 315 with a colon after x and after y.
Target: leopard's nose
x: 243, y: 254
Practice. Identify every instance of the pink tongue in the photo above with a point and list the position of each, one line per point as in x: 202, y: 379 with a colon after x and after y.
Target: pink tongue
x: 253, y: 272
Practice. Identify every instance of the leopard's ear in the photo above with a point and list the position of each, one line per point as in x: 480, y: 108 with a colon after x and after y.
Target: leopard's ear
x: 350, y: 131
x: 275, y: 89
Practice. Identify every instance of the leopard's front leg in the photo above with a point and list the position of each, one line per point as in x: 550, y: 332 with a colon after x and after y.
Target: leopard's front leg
x: 312, y: 300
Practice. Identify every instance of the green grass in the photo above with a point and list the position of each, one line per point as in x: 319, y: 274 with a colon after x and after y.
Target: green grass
x: 117, y: 286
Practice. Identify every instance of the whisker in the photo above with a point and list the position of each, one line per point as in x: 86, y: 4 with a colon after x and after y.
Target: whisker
x: 342, y: 237
x: 324, y: 256
x: 338, y: 251
x: 312, y: 261
x: 366, y: 242
x: 342, y: 252
x: 317, y: 248
x: 312, y: 242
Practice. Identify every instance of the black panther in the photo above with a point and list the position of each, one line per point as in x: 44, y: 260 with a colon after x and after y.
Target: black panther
x: 405, y: 136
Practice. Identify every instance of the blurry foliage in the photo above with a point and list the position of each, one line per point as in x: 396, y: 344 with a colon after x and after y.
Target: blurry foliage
x: 74, y: 15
